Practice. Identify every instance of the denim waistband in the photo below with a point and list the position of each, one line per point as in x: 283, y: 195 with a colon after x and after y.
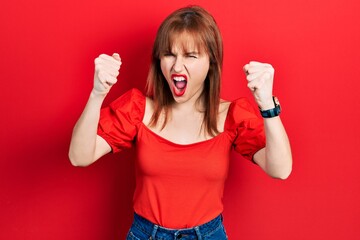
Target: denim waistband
x: 152, y: 229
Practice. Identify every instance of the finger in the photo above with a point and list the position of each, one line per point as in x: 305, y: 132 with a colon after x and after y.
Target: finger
x: 253, y: 75
x: 246, y: 68
x: 114, y: 74
x: 116, y: 56
x: 109, y: 60
x: 255, y: 63
x: 254, y: 84
x: 254, y: 66
x: 106, y: 65
x: 105, y: 77
x: 105, y: 61
x: 111, y: 80
x: 108, y: 69
x: 113, y: 71
x: 106, y: 57
x: 251, y: 86
x: 254, y: 69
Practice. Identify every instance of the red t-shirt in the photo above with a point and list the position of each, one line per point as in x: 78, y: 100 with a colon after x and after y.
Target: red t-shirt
x: 179, y: 185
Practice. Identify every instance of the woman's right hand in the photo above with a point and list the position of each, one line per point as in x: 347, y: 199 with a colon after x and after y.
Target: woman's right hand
x: 106, y: 72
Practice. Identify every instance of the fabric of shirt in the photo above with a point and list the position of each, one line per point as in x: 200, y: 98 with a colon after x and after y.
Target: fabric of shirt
x: 179, y: 185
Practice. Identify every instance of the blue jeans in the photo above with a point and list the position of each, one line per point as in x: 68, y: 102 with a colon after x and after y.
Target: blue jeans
x: 142, y: 229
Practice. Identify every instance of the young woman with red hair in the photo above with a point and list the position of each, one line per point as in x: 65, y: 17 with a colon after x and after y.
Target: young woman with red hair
x: 182, y: 130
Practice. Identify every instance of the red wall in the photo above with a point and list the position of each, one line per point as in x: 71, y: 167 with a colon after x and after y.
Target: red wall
x: 46, y: 70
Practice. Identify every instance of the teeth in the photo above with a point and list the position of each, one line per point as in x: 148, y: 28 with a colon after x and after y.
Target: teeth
x: 179, y: 79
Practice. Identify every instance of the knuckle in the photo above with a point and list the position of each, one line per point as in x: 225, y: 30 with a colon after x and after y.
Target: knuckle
x: 98, y: 67
x: 270, y: 68
x: 97, y: 60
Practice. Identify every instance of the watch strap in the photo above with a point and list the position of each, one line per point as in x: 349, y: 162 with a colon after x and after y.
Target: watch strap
x: 270, y: 113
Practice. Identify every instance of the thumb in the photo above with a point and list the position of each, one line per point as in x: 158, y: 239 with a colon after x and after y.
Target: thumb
x: 116, y: 56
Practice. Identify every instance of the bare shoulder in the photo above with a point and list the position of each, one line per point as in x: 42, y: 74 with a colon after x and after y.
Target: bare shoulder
x: 149, y: 109
x: 224, y: 106
x: 223, y: 110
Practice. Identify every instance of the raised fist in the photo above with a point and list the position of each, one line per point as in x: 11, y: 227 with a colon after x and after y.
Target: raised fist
x: 106, y: 72
x: 260, y: 77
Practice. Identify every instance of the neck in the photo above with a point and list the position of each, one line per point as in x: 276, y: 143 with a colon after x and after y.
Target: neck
x: 194, y: 105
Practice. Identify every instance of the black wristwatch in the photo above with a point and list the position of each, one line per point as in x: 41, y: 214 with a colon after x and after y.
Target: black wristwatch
x: 272, y: 112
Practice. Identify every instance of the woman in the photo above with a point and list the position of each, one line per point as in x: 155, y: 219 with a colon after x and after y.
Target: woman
x: 182, y: 130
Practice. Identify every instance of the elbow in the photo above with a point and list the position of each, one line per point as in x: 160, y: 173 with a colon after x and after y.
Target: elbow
x: 76, y: 161
x: 282, y: 171
x: 73, y: 160
x: 283, y: 174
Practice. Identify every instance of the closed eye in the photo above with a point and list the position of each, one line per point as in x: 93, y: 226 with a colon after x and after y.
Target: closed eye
x: 192, y: 56
x: 169, y: 54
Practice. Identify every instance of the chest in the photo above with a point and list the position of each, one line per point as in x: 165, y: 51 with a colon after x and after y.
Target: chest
x: 157, y: 156
x: 183, y: 130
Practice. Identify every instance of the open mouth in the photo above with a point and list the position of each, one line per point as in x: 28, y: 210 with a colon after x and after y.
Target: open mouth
x: 180, y: 83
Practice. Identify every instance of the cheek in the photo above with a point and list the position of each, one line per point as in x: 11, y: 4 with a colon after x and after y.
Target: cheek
x: 206, y: 70
x: 164, y: 66
x: 202, y: 70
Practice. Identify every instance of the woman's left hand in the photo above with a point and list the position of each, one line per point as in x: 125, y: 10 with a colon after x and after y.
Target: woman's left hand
x: 260, y: 77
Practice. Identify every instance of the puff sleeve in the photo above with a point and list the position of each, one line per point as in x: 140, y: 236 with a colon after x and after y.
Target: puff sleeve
x: 247, y: 127
x: 118, y: 123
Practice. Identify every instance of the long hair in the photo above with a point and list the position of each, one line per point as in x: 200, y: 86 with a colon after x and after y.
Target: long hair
x: 197, y: 22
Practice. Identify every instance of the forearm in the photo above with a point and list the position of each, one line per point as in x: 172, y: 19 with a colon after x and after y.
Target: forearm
x: 277, y: 159
x: 83, y: 140
x: 86, y: 147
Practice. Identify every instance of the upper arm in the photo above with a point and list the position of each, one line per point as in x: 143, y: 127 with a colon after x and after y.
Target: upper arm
x: 101, y: 148
x: 118, y: 123
x: 259, y: 158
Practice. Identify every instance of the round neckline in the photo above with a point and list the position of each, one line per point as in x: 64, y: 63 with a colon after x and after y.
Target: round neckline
x: 194, y: 143
x: 180, y: 144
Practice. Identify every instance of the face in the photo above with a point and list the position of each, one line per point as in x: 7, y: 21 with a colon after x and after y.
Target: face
x: 185, y: 68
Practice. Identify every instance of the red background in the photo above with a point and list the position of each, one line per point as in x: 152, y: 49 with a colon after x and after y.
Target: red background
x: 47, y: 52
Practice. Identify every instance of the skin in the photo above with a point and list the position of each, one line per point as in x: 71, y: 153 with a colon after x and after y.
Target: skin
x: 184, y: 124
x: 190, y: 62
x: 276, y: 158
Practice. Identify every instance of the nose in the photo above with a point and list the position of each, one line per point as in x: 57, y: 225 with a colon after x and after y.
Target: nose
x: 178, y: 64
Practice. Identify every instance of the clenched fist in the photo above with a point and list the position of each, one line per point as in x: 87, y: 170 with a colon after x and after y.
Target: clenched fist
x: 260, y: 77
x: 106, y: 72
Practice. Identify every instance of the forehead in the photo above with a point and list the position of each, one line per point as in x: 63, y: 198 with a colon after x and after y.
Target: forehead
x: 186, y: 42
